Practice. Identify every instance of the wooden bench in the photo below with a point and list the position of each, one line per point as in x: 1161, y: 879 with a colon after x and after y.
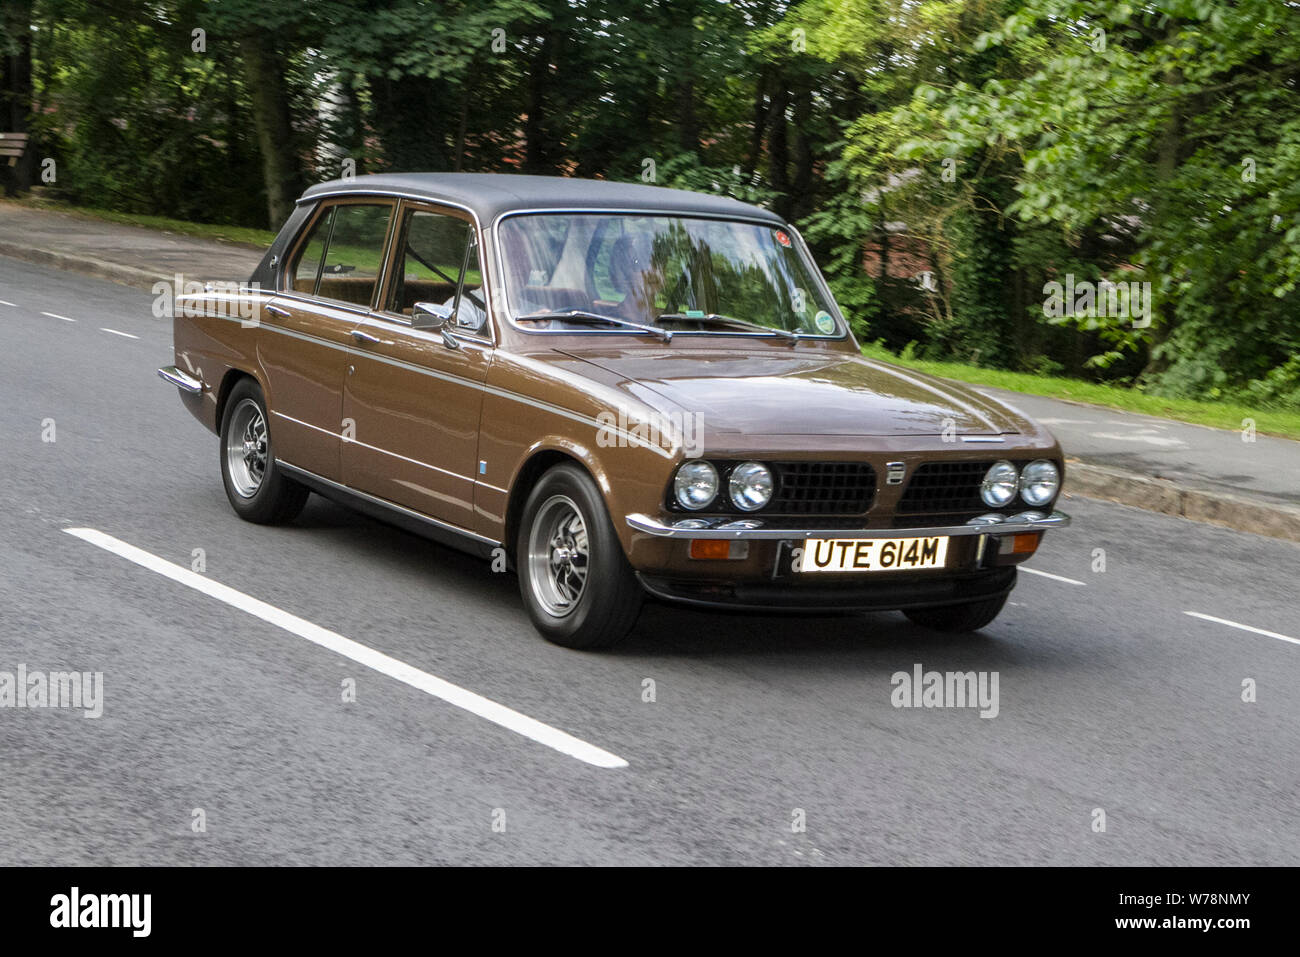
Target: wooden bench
x: 12, y: 146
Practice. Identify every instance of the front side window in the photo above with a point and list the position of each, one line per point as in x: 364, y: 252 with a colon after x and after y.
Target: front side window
x: 341, y: 256
x: 685, y: 274
x: 437, y: 257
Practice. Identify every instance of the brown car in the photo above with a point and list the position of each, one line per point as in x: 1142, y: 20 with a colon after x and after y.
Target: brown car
x: 616, y: 390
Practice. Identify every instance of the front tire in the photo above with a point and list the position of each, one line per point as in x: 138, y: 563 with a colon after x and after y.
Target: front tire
x: 971, y: 616
x: 576, y: 582
x: 257, y: 488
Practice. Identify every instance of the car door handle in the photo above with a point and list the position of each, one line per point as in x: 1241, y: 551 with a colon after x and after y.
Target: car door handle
x: 279, y: 313
x: 365, y: 337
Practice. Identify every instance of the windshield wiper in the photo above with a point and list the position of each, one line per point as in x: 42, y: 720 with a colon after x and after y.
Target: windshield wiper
x: 791, y: 337
x: 582, y: 315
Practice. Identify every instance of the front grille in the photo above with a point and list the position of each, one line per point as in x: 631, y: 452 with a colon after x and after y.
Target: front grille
x: 823, y: 488
x: 945, y: 487
x: 803, y: 488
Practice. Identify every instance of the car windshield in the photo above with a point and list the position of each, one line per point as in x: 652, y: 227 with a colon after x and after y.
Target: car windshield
x: 684, y: 275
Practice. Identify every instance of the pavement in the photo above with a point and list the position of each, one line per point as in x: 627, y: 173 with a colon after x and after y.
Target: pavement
x: 1148, y: 668
x: 1190, y: 471
x: 133, y: 255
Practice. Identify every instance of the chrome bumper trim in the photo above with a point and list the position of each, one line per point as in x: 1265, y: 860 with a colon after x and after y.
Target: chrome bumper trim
x: 176, y: 377
x: 1009, y: 526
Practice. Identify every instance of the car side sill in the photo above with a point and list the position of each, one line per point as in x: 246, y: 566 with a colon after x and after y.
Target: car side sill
x: 441, y: 532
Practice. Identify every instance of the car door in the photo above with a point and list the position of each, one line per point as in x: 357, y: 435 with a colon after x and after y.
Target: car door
x: 413, y: 397
x: 327, y: 289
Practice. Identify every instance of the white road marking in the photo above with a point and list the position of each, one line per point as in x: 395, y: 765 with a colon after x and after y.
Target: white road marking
x: 55, y: 315
x: 1145, y: 435
x: 1059, y: 578
x: 375, y: 660
x: 1237, y: 624
x: 125, y: 335
x: 6, y: 302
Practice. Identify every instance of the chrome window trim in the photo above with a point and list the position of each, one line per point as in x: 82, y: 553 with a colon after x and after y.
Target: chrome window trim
x: 809, y: 261
x: 383, y: 262
x: 398, y: 196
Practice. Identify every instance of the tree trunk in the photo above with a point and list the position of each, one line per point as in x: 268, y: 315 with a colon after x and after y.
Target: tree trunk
x: 281, y: 169
x: 16, y: 91
x: 760, y: 125
x: 801, y: 188
x: 536, y: 148
x: 1167, y: 159
x: 778, y: 147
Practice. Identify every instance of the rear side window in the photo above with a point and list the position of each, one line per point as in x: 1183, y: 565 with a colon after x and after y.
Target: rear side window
x: 342, y: 255
x: 307, y: 271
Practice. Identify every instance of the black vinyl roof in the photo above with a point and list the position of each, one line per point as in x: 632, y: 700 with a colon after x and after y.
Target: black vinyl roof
x: 491, y: 194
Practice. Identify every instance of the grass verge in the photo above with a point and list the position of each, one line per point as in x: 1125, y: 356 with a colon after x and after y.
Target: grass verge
x: 243, y: 235
x: 1221, y: 415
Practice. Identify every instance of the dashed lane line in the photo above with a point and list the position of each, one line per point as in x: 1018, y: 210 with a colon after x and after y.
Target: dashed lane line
x: 1237, y: 624
x: 1059, y: 578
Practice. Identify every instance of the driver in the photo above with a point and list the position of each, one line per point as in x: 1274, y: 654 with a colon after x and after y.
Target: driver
x: 629, y: 266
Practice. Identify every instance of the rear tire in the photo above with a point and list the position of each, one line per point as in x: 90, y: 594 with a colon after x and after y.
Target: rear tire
x: 576, y: 582
x: 958, y: 618
x: 258, y: 489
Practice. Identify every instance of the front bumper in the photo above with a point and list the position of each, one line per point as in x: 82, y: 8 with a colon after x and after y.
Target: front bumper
x: 763, y: 577
x: 752, y: 530
x: 784, y: 595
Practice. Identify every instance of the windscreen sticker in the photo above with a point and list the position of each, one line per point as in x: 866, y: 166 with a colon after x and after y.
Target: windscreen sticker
x: 825, y: 322
x: 783, y: 238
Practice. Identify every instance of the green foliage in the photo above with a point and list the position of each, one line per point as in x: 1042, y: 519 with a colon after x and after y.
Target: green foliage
x: 997, y: 145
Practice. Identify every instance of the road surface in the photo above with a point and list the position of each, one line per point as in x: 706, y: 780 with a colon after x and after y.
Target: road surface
x: 1113, y: 697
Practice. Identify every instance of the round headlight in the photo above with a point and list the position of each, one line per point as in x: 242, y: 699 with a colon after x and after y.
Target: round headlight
x: 696, y: 484
x: 999, y: 485
x: 750, y: 486
x: 1039, y: 482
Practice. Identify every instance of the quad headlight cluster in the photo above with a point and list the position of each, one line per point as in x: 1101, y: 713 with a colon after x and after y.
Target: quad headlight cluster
x: 697, y: 485
x: 1038, y: 482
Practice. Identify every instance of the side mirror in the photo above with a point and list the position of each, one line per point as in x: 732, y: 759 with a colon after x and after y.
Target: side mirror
x: 430, y: 315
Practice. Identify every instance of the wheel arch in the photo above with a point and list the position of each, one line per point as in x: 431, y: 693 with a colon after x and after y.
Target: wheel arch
x: 540, y: 460
x: 228, y: 383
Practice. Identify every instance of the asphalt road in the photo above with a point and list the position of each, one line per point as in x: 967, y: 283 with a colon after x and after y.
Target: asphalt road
x: 1110, y: 695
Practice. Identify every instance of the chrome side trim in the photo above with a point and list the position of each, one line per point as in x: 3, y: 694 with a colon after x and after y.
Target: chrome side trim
x: 343, y: 440
x: 631, y: 437
x: 182, y: 381
x: 400, y: 513
x: 651, y: 526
